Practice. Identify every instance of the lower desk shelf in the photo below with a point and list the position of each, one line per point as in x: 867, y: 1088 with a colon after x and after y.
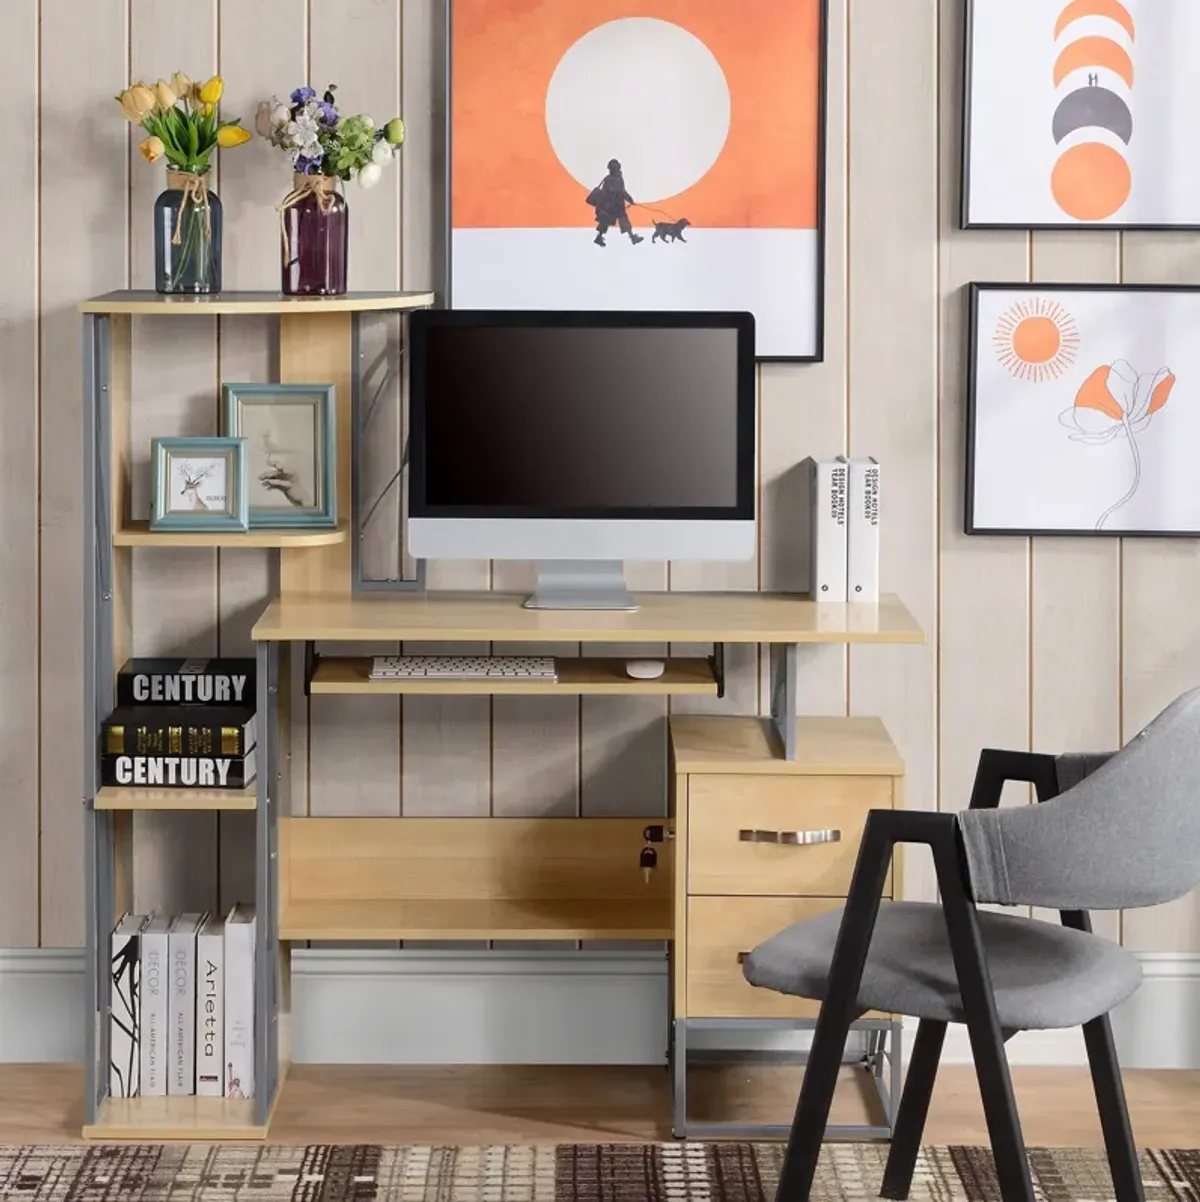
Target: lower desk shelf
x: 199, y: 1120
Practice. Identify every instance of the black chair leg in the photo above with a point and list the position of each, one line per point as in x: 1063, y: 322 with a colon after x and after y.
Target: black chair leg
x: 914, y: 1108
x: 1114, y: 1114
x: 816, y: 1096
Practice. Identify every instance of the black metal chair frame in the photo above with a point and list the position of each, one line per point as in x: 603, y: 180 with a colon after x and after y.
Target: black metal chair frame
x: 940, y: 832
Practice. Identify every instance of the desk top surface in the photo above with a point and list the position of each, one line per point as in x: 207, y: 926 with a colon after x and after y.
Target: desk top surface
x: 663, y: 618
x: 128, y: 300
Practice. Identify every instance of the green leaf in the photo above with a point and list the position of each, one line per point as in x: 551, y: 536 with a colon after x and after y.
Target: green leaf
x: 193, y: 140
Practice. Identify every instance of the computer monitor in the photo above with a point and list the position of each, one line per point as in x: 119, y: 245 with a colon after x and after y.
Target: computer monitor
x: 581, y: 440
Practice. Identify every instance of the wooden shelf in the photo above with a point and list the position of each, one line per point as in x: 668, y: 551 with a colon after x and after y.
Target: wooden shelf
x: 119, y: 797
x: 199, y: 1120
x: 663, y: 618
x: 146, y: 302
x: 475, y: 918
x: 575, y: 676
x: 139, y: 534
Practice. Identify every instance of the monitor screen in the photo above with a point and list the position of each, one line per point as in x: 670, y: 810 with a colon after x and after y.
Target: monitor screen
x: 582, y: 415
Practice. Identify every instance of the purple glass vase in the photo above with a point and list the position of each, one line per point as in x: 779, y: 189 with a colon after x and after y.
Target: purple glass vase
x: 315, y: 237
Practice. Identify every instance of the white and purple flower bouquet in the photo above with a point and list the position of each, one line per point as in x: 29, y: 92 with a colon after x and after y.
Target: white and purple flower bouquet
x: 323, y: 142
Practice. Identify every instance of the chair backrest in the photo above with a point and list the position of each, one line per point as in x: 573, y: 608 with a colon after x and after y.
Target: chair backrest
x: 1127, y: 835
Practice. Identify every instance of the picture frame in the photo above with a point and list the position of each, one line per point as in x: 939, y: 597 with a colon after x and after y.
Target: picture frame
x: 1074, y: 426
x: 726, y: 194
x: 199, y: 484
x: 291, y: 452
x: 1071, y: 115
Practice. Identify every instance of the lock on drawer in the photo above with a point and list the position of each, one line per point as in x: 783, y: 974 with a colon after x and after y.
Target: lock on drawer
x: 794, y: 836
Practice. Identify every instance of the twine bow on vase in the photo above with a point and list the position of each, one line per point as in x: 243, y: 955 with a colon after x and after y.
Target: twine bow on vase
x: 195, y: 192
x: 321, y: 187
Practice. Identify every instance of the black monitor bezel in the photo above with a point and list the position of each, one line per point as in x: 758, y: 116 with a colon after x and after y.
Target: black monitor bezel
x: 423, y: 320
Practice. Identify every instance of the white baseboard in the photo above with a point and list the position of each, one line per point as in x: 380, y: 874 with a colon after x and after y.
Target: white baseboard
x: 382, y: 1006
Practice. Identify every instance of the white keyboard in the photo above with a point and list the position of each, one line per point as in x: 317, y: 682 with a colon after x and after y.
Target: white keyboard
x: 463, y: 667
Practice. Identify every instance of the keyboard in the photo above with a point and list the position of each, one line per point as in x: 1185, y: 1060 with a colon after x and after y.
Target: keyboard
x: 463, y: 667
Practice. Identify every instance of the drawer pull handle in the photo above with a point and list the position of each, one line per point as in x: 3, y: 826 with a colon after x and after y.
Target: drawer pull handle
x: 791, y: 838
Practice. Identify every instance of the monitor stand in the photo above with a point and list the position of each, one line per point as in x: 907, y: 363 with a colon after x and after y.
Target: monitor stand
x: 581, y: 584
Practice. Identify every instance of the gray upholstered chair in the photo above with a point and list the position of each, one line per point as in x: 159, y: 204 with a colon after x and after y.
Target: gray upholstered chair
x: 1111, y: 832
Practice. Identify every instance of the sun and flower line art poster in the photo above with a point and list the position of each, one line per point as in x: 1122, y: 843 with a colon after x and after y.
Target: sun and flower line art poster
x: 1083, y: 415
x: 640, y: 154
x: 1081, y: 113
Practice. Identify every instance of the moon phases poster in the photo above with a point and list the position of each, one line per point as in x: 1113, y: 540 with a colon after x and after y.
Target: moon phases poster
x: 640, y: 154
x: 1080, y: 114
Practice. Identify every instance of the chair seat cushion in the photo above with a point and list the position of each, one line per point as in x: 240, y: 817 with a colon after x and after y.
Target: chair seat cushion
x: 1043, y: 975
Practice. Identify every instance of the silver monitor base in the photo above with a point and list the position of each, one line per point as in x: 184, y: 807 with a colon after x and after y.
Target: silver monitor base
x: 581, y: 584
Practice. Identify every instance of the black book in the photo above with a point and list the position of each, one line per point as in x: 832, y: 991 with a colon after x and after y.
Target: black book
x: 179, y: 730
x: 179, y: 771
x: 180, y: 681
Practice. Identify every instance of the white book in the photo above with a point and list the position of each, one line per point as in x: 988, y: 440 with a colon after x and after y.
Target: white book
x: 828, y: 580
x: 210, y: 1009
x: 181, y: 1000
x: 124, y: 1060
x: 155, y: 984
x: 239, y: 1002
x: 862, y: 530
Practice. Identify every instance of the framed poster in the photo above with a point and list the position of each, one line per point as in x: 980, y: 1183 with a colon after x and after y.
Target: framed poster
x: 1082, y: 415
x: 640, y: 154
x: 1079, y: 113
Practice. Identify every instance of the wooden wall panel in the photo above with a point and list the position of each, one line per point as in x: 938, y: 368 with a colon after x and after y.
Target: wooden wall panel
x: 983, y: 612
x: 893, y: 369
x: 174, y: 389
x: 19, y: 768
x: 83, y: 250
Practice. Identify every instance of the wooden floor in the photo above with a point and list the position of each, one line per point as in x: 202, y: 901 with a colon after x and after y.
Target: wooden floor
x: 327, y: 1104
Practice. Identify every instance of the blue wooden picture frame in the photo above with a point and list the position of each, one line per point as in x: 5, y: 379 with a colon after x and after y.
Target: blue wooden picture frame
x: 266, y: 468
x: 236, y: 513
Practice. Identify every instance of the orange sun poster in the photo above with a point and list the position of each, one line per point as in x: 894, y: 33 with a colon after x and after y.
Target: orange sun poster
x: 640, y: 154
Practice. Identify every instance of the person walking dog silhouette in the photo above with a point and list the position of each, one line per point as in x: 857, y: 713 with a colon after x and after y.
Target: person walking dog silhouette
x: 609, y: 198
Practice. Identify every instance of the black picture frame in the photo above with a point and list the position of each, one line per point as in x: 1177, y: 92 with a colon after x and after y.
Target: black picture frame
x: 974, y: 292
x: 818, y: 355
x: 964, y: 216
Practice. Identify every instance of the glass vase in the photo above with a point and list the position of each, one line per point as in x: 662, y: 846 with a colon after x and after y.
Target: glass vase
x: 187, y: 236
x: 315, y: 229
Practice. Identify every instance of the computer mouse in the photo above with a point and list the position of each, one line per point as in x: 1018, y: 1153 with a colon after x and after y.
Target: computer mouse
x: 645, y: 669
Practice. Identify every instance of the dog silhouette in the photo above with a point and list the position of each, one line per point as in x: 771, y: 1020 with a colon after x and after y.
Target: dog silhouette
x: 670, y: 229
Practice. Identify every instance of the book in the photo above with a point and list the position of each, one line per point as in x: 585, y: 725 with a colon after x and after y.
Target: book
x: 862, y: 530
x: 154, y: 984
x: 828, y: 579
x: 239, y: 1002
x: 125, y: 1061
x: 181, y: 681
x: 181, y: 1001
x: 187, y: 730
x: 180, y: 771
x: 210, y: 1008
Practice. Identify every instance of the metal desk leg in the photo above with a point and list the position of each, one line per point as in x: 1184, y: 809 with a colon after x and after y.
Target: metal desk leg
x: 679, y: 1079
x: 784, y: 662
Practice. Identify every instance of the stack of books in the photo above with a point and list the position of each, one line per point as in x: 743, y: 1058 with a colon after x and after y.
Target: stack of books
x: 182, y: 723
x: 183, y: 1006
x: 845, y: 529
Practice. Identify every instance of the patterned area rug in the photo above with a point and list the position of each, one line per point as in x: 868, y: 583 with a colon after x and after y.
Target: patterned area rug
x: 568, y: 1173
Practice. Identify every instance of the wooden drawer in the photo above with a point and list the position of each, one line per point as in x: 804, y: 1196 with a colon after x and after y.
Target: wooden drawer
x: 721, y: 860
x: 719, y: 928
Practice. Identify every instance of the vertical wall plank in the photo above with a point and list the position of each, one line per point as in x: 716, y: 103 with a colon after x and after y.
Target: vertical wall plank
x: 19, y: 769
x: 893, y: 328
x: 803, y: 409
x: 1160, y: 638
x: 1075, y: 603
x: 355, y: 741
x: 254, y: 178
x: 174, y: 392
x: 83, y: 63
x: 983, y: 614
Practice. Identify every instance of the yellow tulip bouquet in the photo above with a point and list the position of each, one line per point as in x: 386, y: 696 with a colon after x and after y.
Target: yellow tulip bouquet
x: 182, y: 124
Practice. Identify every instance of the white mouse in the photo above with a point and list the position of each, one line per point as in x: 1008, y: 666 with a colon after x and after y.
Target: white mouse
x: 645, y: 669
